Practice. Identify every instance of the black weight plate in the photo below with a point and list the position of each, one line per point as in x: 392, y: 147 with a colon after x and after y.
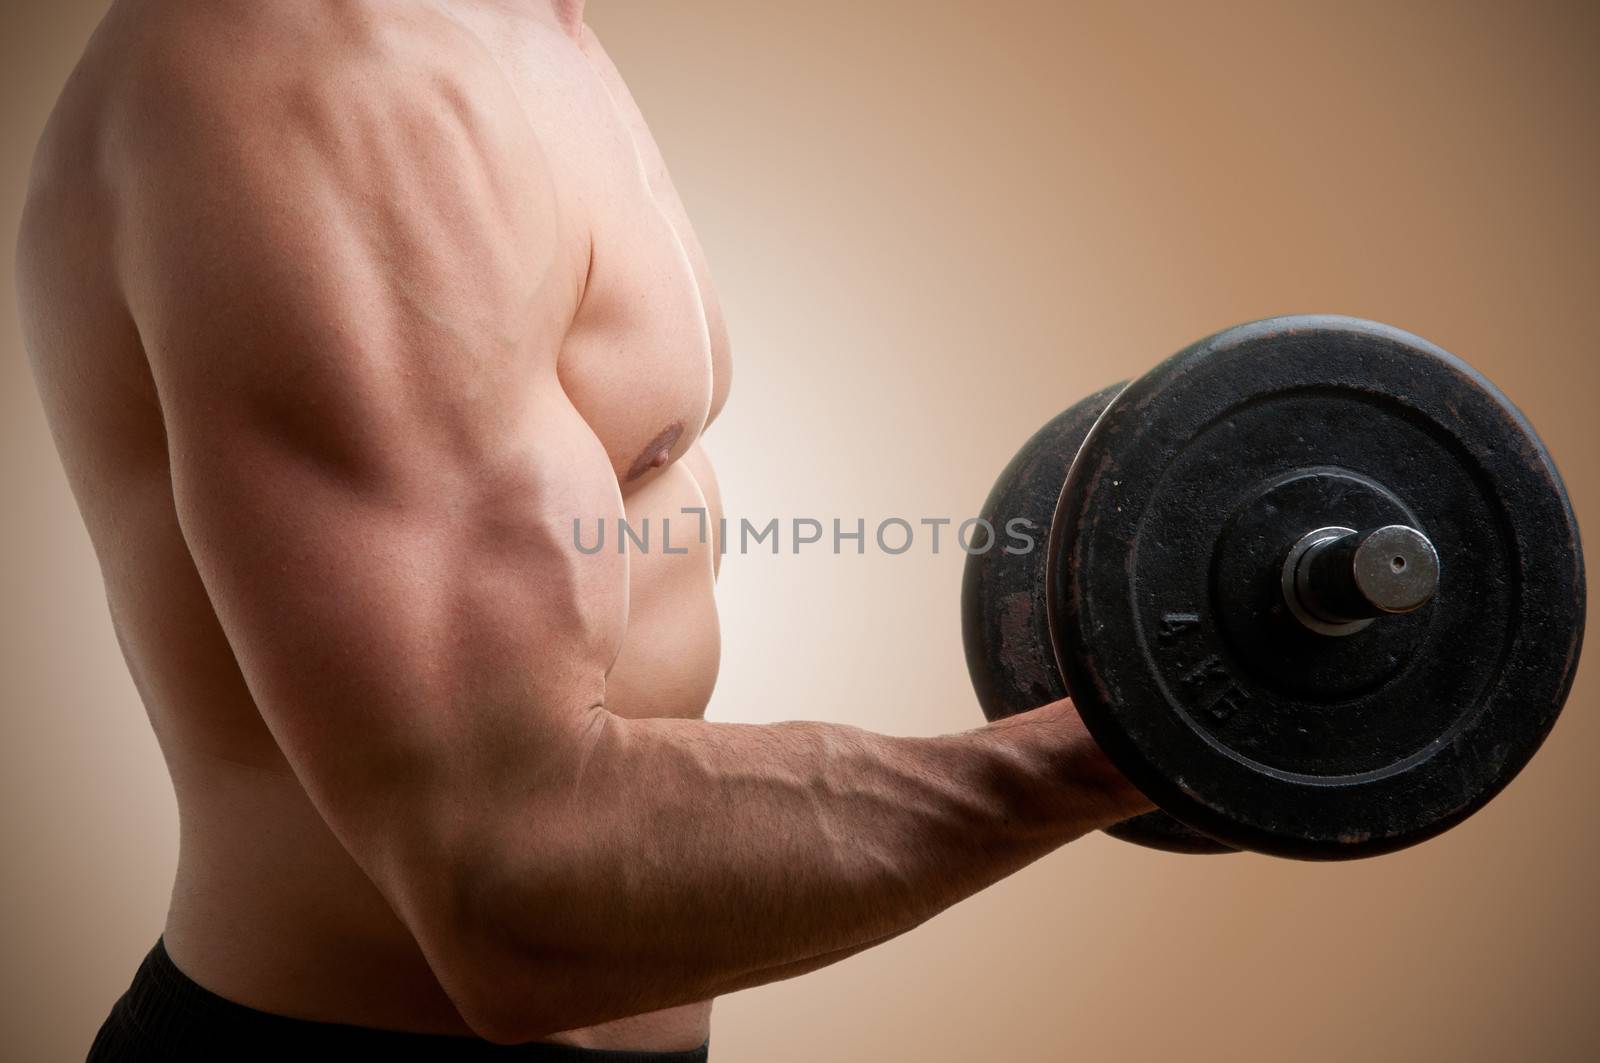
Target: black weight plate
x: 1189, y: 672
x: 1158, y: 830
x: 1004, y: 627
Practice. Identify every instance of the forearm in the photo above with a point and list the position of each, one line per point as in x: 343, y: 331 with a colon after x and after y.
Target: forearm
x: 689, y: 859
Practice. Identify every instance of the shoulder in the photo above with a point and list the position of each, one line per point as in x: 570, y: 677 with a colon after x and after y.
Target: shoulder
x: 335, y: 76
x: 379, y: 134
x: 171, y: 94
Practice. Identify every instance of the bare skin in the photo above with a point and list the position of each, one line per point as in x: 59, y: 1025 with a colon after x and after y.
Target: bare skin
x: 341, y: 313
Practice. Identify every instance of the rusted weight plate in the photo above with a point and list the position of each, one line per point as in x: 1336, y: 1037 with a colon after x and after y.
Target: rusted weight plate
x: 1005, y: 630
x: 1169, y: 588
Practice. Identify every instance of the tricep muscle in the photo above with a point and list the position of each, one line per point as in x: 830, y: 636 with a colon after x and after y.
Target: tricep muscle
x: 351, y: 287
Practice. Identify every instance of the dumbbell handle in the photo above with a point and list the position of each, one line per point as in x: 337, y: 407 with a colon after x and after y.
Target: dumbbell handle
x: 1337, y: 580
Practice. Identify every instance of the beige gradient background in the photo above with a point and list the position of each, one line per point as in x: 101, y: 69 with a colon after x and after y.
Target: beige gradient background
x: 934, y: 224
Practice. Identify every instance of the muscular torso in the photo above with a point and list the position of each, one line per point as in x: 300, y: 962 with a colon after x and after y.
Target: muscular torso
x: 267, y: 908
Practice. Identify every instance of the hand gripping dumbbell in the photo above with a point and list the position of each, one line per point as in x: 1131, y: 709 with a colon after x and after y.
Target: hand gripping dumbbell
x: 1313, y: 584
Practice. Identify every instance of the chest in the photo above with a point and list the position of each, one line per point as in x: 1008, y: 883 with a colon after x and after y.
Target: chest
x: 646, y: 359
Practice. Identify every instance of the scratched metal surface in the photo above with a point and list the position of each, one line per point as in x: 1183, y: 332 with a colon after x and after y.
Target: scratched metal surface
x: 1005, y: 627
x: 1280, y: 742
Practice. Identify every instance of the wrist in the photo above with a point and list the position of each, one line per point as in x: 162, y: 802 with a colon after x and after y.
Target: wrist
x: 1064, y: 776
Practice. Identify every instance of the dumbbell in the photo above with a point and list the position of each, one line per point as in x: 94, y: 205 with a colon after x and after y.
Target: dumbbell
x: 1313, y: 584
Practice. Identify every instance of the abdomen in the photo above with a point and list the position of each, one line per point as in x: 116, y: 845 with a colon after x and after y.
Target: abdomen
x: 668, y: 662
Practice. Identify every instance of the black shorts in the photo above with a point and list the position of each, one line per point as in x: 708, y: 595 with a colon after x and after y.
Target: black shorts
x: 168, y: 1017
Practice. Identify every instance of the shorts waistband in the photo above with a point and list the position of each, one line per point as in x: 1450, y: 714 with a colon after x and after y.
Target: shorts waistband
x: 175, y: 1017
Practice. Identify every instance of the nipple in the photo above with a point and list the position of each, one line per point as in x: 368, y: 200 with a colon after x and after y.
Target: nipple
x: 657, y: 452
